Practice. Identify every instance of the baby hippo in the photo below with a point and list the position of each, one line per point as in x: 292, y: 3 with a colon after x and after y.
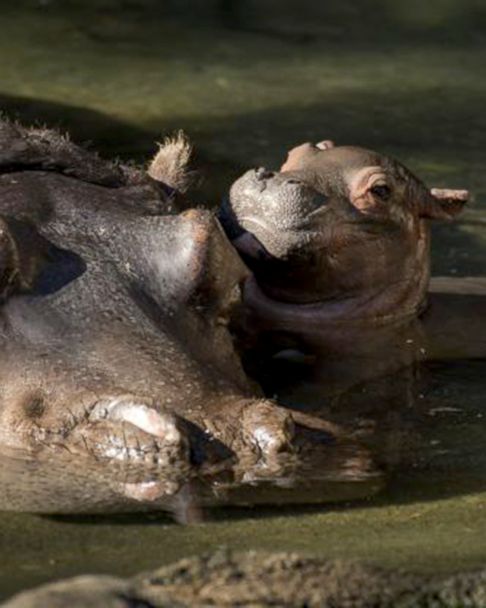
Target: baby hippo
x: 339, y: 234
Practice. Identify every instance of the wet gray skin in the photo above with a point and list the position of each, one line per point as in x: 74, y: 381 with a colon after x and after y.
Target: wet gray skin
x: 114, y: 339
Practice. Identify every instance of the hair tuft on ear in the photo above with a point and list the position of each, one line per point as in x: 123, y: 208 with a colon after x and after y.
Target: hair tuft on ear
x: 171, y: 164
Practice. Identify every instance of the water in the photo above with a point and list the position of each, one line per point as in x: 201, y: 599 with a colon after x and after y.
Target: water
x: 247, y: 83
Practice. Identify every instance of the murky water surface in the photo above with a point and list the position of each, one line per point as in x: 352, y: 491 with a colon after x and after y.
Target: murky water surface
x: 246, y: 84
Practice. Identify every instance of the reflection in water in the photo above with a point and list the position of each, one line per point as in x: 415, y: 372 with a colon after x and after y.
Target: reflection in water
x: 411, y: 392
x: 59, y: 483
x: 424, y: 424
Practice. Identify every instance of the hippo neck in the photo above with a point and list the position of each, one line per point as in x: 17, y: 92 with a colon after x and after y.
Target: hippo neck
x: 401, y: 301
x: 382, y: 304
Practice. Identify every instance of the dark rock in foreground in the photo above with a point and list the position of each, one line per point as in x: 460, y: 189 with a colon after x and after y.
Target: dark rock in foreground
x: 262, y: 579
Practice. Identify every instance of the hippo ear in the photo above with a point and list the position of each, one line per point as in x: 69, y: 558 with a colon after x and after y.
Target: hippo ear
x: 298, y: 157
x: 444, y: 203
x: 216, y: 269
x: 326, y: 144
x: 171, y: 164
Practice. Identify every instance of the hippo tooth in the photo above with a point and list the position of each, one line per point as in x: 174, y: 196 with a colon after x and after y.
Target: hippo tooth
x: 140, y: 415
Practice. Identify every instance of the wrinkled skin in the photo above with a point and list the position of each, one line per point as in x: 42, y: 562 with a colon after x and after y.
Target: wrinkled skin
x: 114, y: 310
x: 338, y: 241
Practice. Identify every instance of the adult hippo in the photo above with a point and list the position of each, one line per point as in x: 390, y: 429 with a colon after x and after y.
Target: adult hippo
x: 338, y: 242
x: 114, y: 310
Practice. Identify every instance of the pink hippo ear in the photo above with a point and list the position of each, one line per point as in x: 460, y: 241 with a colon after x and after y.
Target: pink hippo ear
x: 444, y: 203
x: 300, y: 155
x: 327, y: 144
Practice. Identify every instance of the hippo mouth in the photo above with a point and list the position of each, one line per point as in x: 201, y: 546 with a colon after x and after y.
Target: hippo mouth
x: 279, y: 270
x: 249, y: 246
x: 257, y: 241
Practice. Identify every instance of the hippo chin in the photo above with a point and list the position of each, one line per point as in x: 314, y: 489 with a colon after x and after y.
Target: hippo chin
x: 114, y: 314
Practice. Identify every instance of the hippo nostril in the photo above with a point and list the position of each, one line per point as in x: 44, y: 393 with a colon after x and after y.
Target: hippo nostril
x: 261, y: 173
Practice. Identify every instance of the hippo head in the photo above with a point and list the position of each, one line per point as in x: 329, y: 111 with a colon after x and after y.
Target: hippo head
x: 114, y: 345
x: 343, y: 226
x: 115, y: 350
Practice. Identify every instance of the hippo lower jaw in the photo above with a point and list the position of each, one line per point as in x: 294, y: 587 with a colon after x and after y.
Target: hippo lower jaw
x: 313, y: 320
x: 248, y: 245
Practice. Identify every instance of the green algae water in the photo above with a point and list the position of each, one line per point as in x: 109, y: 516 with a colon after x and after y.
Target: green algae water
x: 248, y: 80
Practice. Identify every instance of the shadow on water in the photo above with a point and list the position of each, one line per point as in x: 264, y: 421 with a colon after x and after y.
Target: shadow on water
x: 448, y: 151
x: 107, y: 135
x: 245, y: 99
x: 460, y: 22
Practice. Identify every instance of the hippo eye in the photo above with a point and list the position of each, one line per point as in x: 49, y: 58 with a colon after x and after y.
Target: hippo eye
x: 294, y: 181
x: 381, y: 191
